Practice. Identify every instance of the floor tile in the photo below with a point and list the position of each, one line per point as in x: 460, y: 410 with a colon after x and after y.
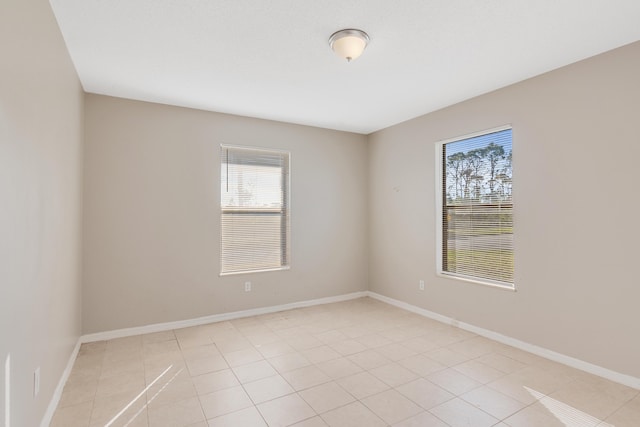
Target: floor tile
x: 453, y: 381
x: 369, y: 359
x: 393, y: 374
x: 325, y: 397
x: 214, y: 381
x: 254, y: 371
x: 133, y: 366
x: 96, y: 347
x: 420, y: 344
x: 537, y: 378
x: 447, y: 336
x: 289, y: 362
x: 339, y: 368
x: 493, y: 402
x: 584, y: 398
x: 268, y: 388
x: 473, y: 347
x: 178, y: 414
x: 479, y: 371
x: 306, y: 377
x: 514, y: 388
x: 331, y: 336
x: 137, y: 417
x: 395, y: 352
x: 170, y: 391
x: 401, y: 333
x: 409, y: 370
x: 502, y: 363
x: 355, y: 331
x: 231, y: 344
x: 285, y: 411
x: 86, y: 370
x: 347, y: 347
x: 311, y: 422
x: 295, y: 331
x: 458, y: 413
x: 391, y: 406
x: 421, y: 365
x: 627, y: 416
x: 373, y: 340
x: 519, y: 355
x: 200, y: 352
x: 257, y: 338
x: 447, y: 357
x: 192, y: 340
x: 362, y: 384
x: 321, y: 354
x: 160, y: 365
x: 120, y: 383
x: 353, y: 415
x: 304, y: 342
x: 564, y: 413
x: 124, y: 343
x: 533, y: 417
x: 159, y: 347
x: 274, y: 349
x: 423, y: 419
x: 249, y: 417
x: 242, y: 357
x: 225, y: 401
x: 425, y: 393
x: 158, y: 337
x: 615, y: 390
x: 73, y: 416
x: 75, y: 393
x: 206, y: 365
x: 117, y: 407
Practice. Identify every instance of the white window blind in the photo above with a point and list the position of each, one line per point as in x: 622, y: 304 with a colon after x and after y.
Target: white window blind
x: 477, y: 208
x: 254, y: 202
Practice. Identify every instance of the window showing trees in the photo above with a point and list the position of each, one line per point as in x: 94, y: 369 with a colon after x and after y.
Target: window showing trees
x: 476, y: 207
x: 254, y: 203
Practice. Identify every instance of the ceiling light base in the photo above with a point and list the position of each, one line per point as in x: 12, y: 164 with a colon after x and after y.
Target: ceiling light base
x: 349, y: 43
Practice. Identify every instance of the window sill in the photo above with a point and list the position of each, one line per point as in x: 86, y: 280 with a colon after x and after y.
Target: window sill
x: 489, y: 283
x: 235, y: 273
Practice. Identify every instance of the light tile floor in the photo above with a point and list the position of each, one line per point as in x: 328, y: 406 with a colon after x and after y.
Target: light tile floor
x: 355, y: 363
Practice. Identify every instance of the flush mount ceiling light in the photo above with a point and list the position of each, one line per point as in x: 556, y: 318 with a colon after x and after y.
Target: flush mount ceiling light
x: 349, y: 43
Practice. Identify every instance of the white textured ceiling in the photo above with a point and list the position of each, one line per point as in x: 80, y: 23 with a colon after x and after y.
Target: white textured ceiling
x: 270, y: 58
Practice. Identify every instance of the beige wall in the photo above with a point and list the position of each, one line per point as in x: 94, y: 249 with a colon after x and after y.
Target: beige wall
x: 41, y: 108
x: 151, y: 206
x: 576, y: 153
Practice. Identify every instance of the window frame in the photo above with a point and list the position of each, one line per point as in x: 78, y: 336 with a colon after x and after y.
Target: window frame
x: 285, y: 243
x: 440, y: 171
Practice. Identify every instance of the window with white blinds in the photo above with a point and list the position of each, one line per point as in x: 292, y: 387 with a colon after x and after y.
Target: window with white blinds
x: 476, y: 207
x: 254, y: 210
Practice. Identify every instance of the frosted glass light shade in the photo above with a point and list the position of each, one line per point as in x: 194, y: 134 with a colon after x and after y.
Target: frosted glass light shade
x: 349, y: 44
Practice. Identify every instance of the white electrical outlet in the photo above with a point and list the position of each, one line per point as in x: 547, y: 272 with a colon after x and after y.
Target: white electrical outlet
x: 247, y: 286
x: 421, y: 285
x: 36, y: 382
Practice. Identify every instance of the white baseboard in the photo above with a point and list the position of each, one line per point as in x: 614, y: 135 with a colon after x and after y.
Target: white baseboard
x: 618, y: 377
x: 159, y: 327
x: 57, y: 394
